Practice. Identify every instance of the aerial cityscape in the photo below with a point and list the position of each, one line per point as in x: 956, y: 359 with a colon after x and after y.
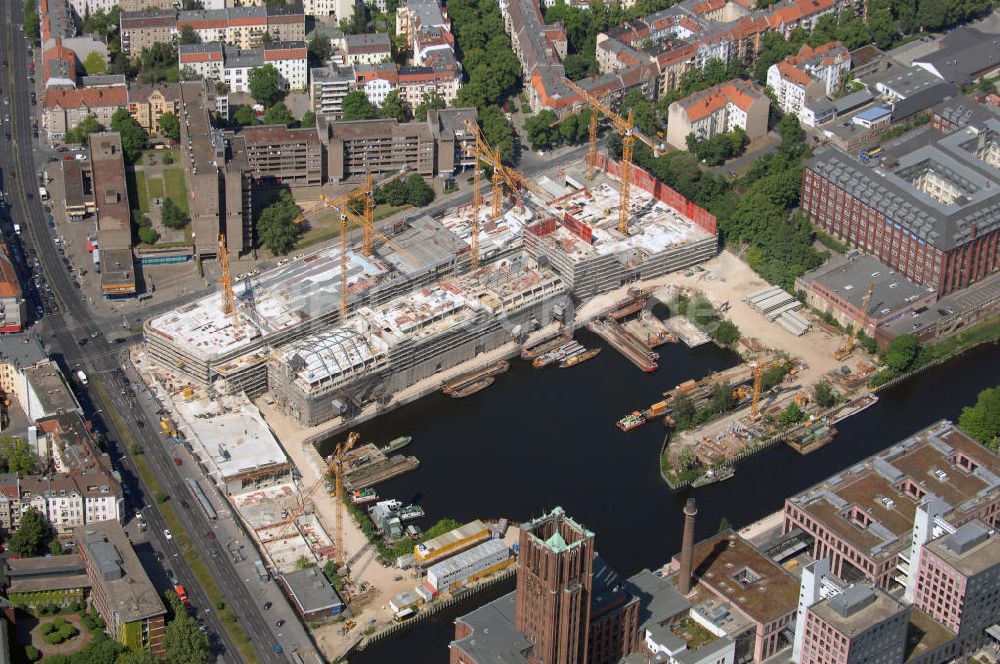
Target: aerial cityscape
x: 500, y: 331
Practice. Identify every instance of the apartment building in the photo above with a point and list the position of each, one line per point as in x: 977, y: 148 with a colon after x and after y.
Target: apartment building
x: 327, y: 88
x: 811, y: 74
x: 243, y: 27
x: 59, y: 66
x: 417, y: 83
x: 232, y: 65
x: 121, y: 592
x: 384, y: 147
x: 140, y: 30
x: 278, y: 156
x: 148, y: 103
x: 365, y: 49
x: 18, y: 352
x: 64, y: 108
x: 928, y: 216
x: 717, y: 110
x: 151, y: 5
x: 416, y: 16
x: 67, y: 442
x: 341, y: 10
x: 13, y: 310
x: 66, y: 500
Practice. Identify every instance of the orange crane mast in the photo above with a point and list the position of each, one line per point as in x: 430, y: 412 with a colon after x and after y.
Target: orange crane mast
x: 338, y: 474
x: 228, y: 300
x: 625, y: 127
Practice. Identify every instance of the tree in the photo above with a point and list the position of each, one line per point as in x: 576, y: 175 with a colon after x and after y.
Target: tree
x: 55, y: 547
x: 18, y: 456
x: 539, y: 131
x: 265, y: 85
x: 278, y: 115
x: 188, y: 35
x: 357, y: 24
x: 824, y: 395
x: 319, y: 49
x: 982, y: 421
x: 428, y: 101
x: 901, y: 353
x: 31, y: 22
x: 138, y: 657
x: 172, y: 216
x: 276, y: 225
x: 95, y: 64
x: 418, y: 193
x: 357, y: 107
x: 308, y: 119
x: 395, y: 107
x: 87, y: 126
x: 497, y: 132
x: 132, y: 134
x: 192, y: 5
x: 28, y: 538
x: 170, y: 126
x: 148, y: 235
x: 790, y: 415
x: 683, y: 410
x: 184, y: 642
x: 245, y: 116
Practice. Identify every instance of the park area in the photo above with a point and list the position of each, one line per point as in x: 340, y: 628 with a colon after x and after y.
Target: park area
x: 158, y: 198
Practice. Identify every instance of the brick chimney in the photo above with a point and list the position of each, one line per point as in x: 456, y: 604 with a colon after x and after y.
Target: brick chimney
x: 687, y: 547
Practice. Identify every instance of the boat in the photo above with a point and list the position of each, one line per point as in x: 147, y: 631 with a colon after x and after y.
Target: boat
x: 557, y: 355
x: 855, y: 407
x: 627, y: 308
x: 459, y: 382
x: 363, y: 496
x: 580, y: 359
x: 473, y: 387
x: 545, y: 346
x: 397, y: 444
x: 713, y: 475
x: 411, y: 512
x: 631, y: 421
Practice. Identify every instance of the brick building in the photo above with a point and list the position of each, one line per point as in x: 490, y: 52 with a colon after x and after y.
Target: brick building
x: 855, y: 626
x: 931, y: 210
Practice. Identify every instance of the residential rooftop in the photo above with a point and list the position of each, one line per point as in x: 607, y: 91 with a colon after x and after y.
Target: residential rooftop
x: 875, y: 486
x: 118, y: 570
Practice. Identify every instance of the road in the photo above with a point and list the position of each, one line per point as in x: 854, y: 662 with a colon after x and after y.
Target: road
x: 101, y: 360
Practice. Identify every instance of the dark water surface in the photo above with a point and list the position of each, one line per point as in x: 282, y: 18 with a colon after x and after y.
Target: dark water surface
x: 540, y: 438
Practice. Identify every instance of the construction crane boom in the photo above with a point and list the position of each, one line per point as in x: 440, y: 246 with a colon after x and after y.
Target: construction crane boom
x: 866, y: 304
x: 338, y: 474
x: 228, y: 300
x: 620, y: 123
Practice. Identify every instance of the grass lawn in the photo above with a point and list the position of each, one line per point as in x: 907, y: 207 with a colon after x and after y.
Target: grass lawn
x: 154, y: 188
x: 176, y: 188
x: 141, y: 192
x: 326, y: 225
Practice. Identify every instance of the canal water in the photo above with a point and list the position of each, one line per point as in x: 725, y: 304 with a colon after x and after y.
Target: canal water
x: 541, y: 438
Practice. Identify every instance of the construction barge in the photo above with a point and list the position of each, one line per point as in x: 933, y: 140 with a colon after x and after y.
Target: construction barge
x: 558, y: 354
x: 458, y: 383
x: 545, y: 346
x: 634, y: 303
x: 579, y: 358
x: 367, y: 466
x: 634, y: 352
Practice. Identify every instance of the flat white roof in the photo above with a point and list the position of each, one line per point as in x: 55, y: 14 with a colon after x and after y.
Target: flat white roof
x: 236, y: 441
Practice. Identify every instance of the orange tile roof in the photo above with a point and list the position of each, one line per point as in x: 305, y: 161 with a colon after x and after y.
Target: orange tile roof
x: 285, y: 53
x: 794, y: 74
x: 702, y: 104
x: 86, y: 97
x: 708, y: 6
x: 9, y: 286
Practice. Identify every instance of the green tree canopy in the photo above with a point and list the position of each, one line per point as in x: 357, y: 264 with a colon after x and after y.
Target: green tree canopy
x: 418, y: 192
x: 308, y: 119
x: 497, y: 132
x: 357, y: 107
x: 319, y: 49
x: 170, y: 126
x: 395, y: 107
x: 17, y: 456
x: 172, y: 215
x: 824, y: 395
x: 791, y: 414
x: 901, y: 353
x: 148, y: 235
x: 133, y: 135
x: 27, y: 540
x: 276, y: 225
x: 429, y: 101
x: 278, y: 115
x: 138, y: 657
x: 188, y: 35
x: 184, y: 642
x: 95, y: 64
x: 87, y: 126
x: 982, y: 421
x: 265, y: 85
x: 245, y: 116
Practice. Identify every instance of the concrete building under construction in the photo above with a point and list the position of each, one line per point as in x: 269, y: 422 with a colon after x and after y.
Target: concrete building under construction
x: 413, y: 307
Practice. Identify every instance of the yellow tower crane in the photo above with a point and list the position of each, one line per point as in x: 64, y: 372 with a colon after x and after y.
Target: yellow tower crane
x: 228, y: 300
x: 591, y: 139
x: 845, y: 351
x: 338, y: 474
x: 625, y: 127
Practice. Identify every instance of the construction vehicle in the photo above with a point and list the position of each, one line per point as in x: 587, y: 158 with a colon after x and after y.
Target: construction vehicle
x: 625, y: 127
x: 845, y: 351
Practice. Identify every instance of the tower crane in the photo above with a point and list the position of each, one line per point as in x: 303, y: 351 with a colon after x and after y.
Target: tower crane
x: 758, y: 385
x: 228, y: 300
x: 625, y: 127
x: 338, y: 474
x: 845, y: 351
x: 591, y: 139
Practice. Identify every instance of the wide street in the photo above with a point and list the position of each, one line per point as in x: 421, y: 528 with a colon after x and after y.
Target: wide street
x: 112, y: 405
